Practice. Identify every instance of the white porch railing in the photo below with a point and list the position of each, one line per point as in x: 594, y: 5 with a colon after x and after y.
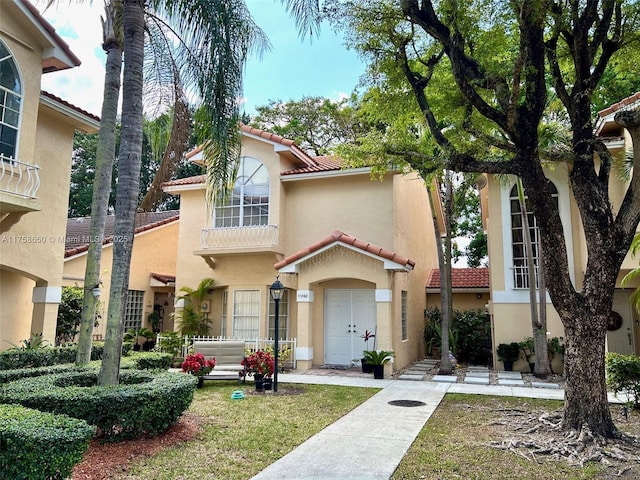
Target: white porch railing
x: 521, y: 276
x: 250, y: 345
x: 19, y: 178
x: 234, y: 237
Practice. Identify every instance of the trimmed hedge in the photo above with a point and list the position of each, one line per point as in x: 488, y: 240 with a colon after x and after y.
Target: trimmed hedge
x: 41, y: 357
x: 17, y: 374
x: 144, y: 403
x: 147, y: 361
x: 40, y: 446
x: 623, y: 375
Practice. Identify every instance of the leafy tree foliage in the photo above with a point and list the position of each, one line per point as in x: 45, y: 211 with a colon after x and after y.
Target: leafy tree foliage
x: 492, y: 84
x: 316, y: 124
x: 69, y: 315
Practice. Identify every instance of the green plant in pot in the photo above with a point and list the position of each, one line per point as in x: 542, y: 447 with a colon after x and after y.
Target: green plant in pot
x: 378, y: 359
x: 366, y: 336
x: 508, y: 353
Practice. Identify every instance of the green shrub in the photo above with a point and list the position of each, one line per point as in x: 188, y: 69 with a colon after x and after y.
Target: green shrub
x: 37, y: 445
x: 18, y: 373
x: 623, y: 375
x: 144, y: 403
x: 147, y: 361
x: 42, y: 357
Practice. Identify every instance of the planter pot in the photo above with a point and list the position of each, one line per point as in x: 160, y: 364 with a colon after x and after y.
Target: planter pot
x: 366, y: 367
x: 508, y: 365
x: 259, y: 381
x: 378, y: 371
x: 200, y: 382
x: 532, y: 366
x: 268, y: 384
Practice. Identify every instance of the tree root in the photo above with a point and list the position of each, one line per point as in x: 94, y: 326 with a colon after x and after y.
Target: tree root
x: 538, y: 435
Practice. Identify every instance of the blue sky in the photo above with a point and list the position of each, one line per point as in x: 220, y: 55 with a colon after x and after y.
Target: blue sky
x: 292, y: 69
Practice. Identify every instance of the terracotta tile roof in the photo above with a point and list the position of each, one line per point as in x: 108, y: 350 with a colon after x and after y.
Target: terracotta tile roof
x: 67, y: 104
x: 340, y: 237
x: 77, y: 237
x: 462, y: 278
x: 622, y: 104
x: 272, y: 137
x: 164, y: 278
x: 195, y: 180
x: 49, y: 28
x: 322, y: 164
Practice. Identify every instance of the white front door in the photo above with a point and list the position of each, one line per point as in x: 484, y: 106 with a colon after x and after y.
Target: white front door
x: 621, y: 340
x: 348, y: 313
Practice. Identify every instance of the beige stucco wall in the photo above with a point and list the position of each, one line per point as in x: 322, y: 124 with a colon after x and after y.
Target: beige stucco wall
x: 32, y: 246
x: 154, y: 251
x: 392, y: 214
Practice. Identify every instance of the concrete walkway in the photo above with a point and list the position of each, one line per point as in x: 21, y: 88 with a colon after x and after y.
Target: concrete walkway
x: 369, y: 442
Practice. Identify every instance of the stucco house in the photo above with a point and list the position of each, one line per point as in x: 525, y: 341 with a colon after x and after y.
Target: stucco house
x: 152, y: 271
x: 509, y: 297
x: 36, y: 141
x: 353, y: 252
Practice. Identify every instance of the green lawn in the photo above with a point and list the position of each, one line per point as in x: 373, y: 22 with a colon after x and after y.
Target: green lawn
x: 242, y: 437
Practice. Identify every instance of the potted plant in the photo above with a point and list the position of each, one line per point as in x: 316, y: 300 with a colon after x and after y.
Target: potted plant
x: 198, y: 366
x: 508, y: 353
x: 133, y: 334
x: 366, y: 336
x: 378, y: 359
x: 260, y: 365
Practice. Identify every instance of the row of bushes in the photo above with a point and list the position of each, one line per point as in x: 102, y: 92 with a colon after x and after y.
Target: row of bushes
x: 42, y: 357
x: 143, y: 403
x: 138, y: 361
x: 37, y: 445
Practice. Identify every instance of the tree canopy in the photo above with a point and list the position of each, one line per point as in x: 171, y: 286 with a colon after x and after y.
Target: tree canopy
x: 510, y: 88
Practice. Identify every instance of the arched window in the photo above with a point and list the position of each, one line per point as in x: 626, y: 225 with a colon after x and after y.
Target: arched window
x: 248, y: 204
x: 520, y: 270
x: 10, y: 98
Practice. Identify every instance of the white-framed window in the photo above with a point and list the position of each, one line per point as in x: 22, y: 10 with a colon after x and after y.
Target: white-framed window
x: 283, y: 316
x: 248, y: 203
x: 518, y: 247
x: 403, y: 314
x: 133, y: 309
x: 10, y: 101
x: 223, y: 314
x: 246, y: 314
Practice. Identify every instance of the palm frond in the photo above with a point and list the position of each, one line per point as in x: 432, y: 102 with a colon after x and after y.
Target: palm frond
x: 306, y: 14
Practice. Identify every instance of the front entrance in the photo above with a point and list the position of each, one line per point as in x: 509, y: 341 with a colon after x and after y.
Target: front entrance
x: 620, y: 340
x: 348, y: 313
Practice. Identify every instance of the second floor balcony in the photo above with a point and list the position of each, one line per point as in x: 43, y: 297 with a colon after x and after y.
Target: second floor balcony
x: 229, y: 240
x: 19, y: 184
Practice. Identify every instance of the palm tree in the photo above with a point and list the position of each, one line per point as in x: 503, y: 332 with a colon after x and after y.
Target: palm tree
x: 194, y: 320
x: 112, y: 45
x: 213, y: 41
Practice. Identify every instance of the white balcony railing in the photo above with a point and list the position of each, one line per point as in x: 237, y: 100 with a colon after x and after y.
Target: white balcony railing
x: 19, y: 178
x: 258, y: 236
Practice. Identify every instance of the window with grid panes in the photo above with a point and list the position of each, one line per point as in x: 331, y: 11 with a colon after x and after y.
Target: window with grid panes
x: 246, y: 314
x: 133, y: 309
x: 10, y: 100
x: 520, y: 270
x: 248, y: 204
x: 283, y: 316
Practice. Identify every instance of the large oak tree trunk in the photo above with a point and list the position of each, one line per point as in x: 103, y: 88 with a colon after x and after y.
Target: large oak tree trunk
x: 586, y: 403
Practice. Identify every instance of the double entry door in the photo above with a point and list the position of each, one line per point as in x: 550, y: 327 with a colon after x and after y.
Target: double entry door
x: 348, y: 313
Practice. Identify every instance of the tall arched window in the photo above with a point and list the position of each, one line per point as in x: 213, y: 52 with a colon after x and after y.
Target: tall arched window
x: 10, y: 98
x: 520, y: 270
x: 248, y: 204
